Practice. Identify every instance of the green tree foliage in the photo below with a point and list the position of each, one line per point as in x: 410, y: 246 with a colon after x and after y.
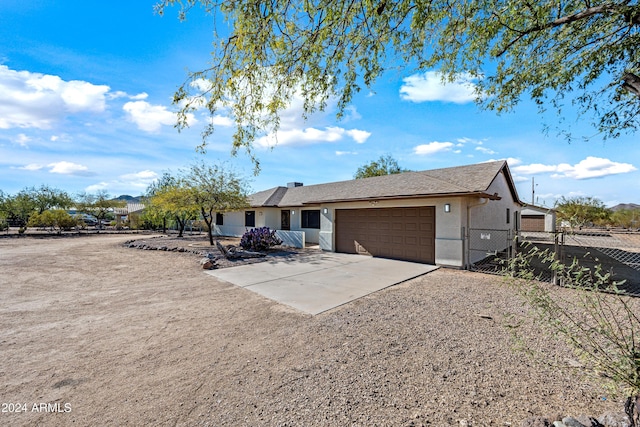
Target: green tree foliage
x: 45, y: 198
x: 627, y: 218
x: 385, y: 165
x: 99, y: 205
x: 4, y: 225
x: 216, y: 189
x: 56, y: 219
x: 19, y: 208
x: 557, y: 53
x: 171, y: 197
x: 580, y: 211
x: 153, y: 215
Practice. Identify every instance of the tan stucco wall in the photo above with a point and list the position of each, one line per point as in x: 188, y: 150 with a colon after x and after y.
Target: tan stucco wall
x: 233, y: 225
x: 266, y: 217
x: 492, y: 215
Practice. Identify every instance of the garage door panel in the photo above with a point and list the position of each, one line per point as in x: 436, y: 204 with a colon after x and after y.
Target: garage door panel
x: 400, y: 233
x: 532, y: 222
x: 426, y: 227
x: 425, y: 241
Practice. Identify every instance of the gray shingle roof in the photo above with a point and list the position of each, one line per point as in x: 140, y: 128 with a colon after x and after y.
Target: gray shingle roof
x: 130, y: 208
x: 459, y: 180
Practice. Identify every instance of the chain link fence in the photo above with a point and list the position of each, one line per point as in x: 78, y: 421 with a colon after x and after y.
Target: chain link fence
x: 616, y: 252
x: 489, y: 250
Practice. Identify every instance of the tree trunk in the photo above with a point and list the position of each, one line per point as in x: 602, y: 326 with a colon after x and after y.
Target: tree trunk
x: 632, y: 409
x: 181, y: 225
x: 208, y: 219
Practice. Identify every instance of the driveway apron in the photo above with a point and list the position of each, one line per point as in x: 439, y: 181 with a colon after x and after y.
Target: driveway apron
x: 319, y: 282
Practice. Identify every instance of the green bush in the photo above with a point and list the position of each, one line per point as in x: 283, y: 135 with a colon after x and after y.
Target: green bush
x: 56, y: 219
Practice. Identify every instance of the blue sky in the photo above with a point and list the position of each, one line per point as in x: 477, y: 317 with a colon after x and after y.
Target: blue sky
x: 85, y: 105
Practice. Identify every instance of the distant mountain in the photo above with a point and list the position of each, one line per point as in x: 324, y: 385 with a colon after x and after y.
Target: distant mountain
x: 128, y: 199
x: 626, y: 206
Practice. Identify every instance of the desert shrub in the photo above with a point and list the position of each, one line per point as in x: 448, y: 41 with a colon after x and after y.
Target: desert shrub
x: 259, y: 239
x: 598, y: 321
x: 55, y: 219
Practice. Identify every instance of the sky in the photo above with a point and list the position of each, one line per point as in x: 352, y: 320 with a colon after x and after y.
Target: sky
x: 86, y: 105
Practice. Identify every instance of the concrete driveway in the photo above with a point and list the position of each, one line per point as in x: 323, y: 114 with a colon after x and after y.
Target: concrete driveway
x: 319, y: 282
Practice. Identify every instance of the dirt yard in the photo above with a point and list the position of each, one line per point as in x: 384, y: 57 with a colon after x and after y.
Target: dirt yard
x: 94, y: 333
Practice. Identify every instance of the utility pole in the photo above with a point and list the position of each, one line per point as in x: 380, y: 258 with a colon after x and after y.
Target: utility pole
x: 533, y: 191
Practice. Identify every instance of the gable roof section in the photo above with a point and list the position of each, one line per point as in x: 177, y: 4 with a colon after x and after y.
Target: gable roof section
x: 270, y: 197
x: 454, y: 181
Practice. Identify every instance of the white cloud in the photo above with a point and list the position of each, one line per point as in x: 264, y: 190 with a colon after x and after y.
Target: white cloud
x: 430, y: 87
x: 219, y: 120
x: 32, y: 167
x: 69, y: 168
x: 62, y: 168
x: 359, y: 136
x: 296, y: 137
x: 97, y: 187
x: 145, y: 174
x: 351, y: 113
x: 139, y: 96
x: 83, y: 96
x: 22, y: 140
x: 432, y: 148
x: 344, y: 153
x: 151, y: 118
x: 485, y: 150
x: 202, y: 85
x: 121, y: 94
x: 139, y: 181
x: 591, y: 167
x: 296, y: 128
x: 33, y: 100
x: 535, y: 168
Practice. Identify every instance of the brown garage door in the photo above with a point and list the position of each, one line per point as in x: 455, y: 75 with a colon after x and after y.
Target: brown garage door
x: 532, y: 222
x: 398, y: 233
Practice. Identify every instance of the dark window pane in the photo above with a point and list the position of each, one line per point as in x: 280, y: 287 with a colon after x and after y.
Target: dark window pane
x: 250, y: 219
x: 311, y: 219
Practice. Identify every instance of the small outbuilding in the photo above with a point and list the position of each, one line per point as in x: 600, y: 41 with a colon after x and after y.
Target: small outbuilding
x: 451, y: 216
x: 538, y: 219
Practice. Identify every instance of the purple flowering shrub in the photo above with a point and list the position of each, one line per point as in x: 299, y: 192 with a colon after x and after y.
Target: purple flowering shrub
x: 259, y: 239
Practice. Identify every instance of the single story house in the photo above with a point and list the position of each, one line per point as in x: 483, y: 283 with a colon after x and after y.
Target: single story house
x: 434, y: 216
x: 538, y: 218
x: 123, y: 213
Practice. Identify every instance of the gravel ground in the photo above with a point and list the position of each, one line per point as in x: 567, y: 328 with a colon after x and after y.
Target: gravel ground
x: 108, y: 335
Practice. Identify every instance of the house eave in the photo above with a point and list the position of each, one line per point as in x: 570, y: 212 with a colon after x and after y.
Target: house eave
x: 404, y: 197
